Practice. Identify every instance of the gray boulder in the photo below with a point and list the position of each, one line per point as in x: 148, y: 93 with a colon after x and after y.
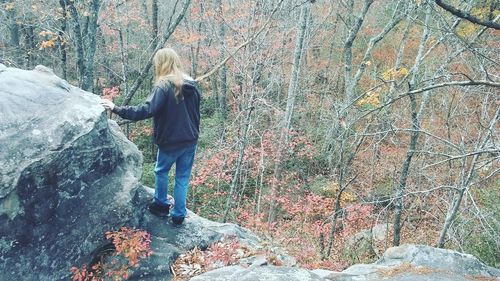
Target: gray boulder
x: 260, y: 273
x: 362, y: 247
x: 417, y: 263
x: 68, y: 175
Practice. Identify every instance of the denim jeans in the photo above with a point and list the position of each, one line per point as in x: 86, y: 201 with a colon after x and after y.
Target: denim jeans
x: 183, y: 159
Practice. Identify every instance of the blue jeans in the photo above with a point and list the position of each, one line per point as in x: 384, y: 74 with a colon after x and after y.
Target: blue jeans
x: 183, y: 159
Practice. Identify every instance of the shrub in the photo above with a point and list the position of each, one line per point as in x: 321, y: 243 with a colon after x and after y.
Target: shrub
x: 131, y: 245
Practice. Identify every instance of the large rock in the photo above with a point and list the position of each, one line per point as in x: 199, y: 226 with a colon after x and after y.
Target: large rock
x: 260, y: 273
x: 168, y: 241
x: 362, y: 247
x: 403, y: 263
x: 67, y: 175
x: 416, y: 263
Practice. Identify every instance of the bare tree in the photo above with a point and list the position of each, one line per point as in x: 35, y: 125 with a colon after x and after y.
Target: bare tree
x: 293, y: 89
x: 62, y: 36
x: 85, y: 41
x: 416, y: 117
x: 171, y: 26
x: 468, y: 171
x: 14, y: 42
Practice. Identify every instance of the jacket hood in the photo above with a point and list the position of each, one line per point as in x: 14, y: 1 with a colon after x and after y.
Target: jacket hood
x: 189, y: 86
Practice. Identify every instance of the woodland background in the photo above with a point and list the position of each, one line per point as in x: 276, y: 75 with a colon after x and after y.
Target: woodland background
x: 320, y: 119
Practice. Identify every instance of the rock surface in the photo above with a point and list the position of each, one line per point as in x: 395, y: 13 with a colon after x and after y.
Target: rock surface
x: 417, y: 263
x: 67, y: 175
x: 262, y: 273
x: 362, y: 246
x: 168, y: 241
x: 403, y: 263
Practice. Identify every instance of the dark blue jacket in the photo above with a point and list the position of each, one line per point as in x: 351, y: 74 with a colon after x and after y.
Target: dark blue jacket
x: 176, y: 123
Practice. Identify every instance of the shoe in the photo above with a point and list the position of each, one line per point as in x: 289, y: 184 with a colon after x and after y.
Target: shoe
x: 176, y: 221
x: 158, y: 210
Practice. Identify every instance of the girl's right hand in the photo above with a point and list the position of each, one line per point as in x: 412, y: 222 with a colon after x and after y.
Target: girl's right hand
x: 107, y: 104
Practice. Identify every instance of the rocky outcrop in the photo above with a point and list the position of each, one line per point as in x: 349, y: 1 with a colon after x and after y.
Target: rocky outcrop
x: 168, y: 242
x: 416, y: 263
x: 262, y: 273
x: 362, y: 246
x: 67, y: 174
x: 403, y: 263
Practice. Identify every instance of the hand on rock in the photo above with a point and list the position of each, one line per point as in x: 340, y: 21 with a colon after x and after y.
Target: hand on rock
x: 107, y: 104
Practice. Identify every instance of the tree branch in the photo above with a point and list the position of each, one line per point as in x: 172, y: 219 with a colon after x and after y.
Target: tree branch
x: 462, y: 156
x: 147, y: 67
x: 467, y: 16
x: 425, y: 89
x: 223, y: 62
x: 454, y: 83
x: 440, y: 85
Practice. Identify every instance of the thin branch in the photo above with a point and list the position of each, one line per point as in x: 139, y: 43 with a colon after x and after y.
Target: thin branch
x: 467, y: 16
x: 223, y: 62
x: 395, y: 129
x: 425, y: 89
x: 462, y: 156
x: 147, y: 67
x: 446, y: 84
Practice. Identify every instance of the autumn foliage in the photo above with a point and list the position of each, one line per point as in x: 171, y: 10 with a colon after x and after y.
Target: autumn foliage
x: 131, y: 245
x: 228, y: 251
x: 392, y: 111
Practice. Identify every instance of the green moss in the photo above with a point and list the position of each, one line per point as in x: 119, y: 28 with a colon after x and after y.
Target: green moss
x: 148, y: 175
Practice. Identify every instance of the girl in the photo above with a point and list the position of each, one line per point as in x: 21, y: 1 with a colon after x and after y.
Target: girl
x: 174, y: 104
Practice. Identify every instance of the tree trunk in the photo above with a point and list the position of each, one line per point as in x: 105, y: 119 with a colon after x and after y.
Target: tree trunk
x: 145, y: 12
x: 145, y: 70
x: 154, y: 12
x: 416, y: 117
x: 336, y: 211
x: 450, y: 217
x: 88, y: 78
x: 399, y: 191
x: 287, y: 118
x: 345, y: 158
x: 239, y: 162
x: 466, y: 181
x: 62, y: 37
x: 79, y: 48
x: 223, y: 92
x: 30, y: 45
x: 195, y: 52
x: 85, y: 46
x: 398, y: 15
x: 124, y: 61
x: 347, y: 56
x: 262, y: 169
x: 14, y: 33
x: 223, y: 70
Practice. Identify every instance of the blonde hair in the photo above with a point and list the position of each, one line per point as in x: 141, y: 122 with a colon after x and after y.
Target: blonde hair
x: 168, y: 68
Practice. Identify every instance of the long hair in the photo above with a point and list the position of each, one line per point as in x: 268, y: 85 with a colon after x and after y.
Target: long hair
x: 168, y: 68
